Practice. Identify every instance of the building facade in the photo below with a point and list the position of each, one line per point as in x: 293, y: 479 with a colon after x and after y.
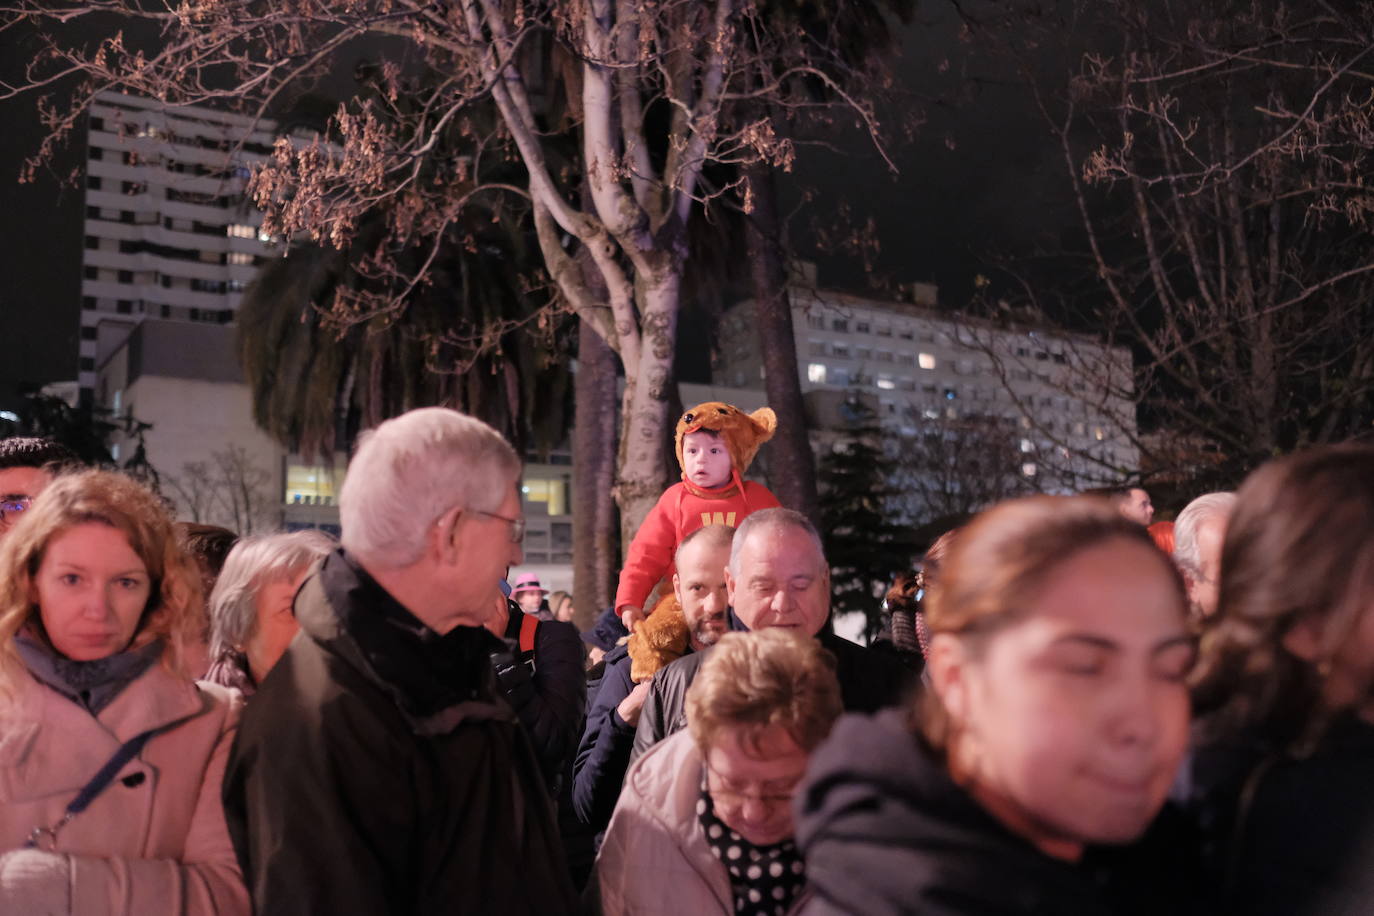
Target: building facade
x: 1055, y: 407
x: 168, y: 232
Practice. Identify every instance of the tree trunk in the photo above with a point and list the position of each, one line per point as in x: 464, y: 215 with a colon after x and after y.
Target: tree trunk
x: 595, y: 558
x: 789, y: 454
x: 642, y: 477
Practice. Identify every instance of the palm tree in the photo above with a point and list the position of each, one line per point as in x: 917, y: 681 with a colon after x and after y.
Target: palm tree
x: 332, y: 343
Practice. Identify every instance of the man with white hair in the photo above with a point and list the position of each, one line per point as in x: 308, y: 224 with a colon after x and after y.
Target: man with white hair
x: 777, y: 576
x: 377, y: 769
x: 1199, y: 532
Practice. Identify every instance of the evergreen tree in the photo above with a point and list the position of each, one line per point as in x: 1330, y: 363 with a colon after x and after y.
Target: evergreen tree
x: 863, y: 545
x: 84, y: 429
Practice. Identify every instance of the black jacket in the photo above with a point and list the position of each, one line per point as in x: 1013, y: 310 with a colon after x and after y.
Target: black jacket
x: 604, y: 752
x: 547, y: 690
x: 1304, y: 841
x: 869, y: 681
x: 884, y: 830
x: 377, y: 770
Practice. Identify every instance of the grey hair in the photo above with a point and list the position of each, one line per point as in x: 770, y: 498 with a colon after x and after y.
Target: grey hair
x: 1208, y: 505
x: 254, y: 563
x: 412, y: 469
x: 768, y: 519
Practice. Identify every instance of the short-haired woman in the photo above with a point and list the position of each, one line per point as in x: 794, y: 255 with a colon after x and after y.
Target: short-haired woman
x: 1286, y: 691
x: 1054, y: 722
x: 704, y: 823
x: 251, y: 619
x: 110, y: 756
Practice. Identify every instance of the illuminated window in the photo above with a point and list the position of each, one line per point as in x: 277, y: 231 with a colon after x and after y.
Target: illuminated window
x: 927, y: 361
x: 1099, y: 433
x: 886, y: 383
x: 815, y: 372
x: 240, y: 231
x: 1027, y: 445
x: 1029, y: 469
x: 312, y: 485
x: 552, y: 492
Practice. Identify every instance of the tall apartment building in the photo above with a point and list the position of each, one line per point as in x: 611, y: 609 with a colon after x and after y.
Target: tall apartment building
x: 1058, y: 399
x: 168, y: 233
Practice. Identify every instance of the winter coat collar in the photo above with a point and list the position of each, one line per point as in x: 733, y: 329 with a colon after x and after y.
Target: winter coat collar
x: 436, y: 681
x: 665, y: 786
x: 156, y: 699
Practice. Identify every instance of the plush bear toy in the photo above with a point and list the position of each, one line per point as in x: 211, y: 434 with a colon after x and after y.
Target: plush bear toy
x: 663, y: 636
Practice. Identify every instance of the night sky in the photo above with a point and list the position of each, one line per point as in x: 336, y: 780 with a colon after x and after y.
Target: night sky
x: 979, y: 175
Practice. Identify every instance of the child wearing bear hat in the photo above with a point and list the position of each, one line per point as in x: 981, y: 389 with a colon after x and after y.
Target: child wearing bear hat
x: 715, y: 444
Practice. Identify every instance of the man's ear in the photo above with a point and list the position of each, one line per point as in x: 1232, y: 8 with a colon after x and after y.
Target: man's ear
x: 947, y: 665
x: 443, y: 536
x: 729, y: 587
x: 677, y: 588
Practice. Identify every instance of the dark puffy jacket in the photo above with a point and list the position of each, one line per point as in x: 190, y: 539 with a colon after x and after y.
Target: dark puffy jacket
x: 884, y: 830
x: 547, y: 690
x: 869, y: 681
x: 604, y: 752
x: 379, y: 771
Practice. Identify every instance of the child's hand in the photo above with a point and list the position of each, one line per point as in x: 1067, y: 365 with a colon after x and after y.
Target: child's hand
x: 631, y: 615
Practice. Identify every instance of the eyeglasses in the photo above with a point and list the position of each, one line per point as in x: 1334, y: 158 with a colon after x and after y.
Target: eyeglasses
x: 12, y: 507
x: 517, y: 525
x: 728, y: 794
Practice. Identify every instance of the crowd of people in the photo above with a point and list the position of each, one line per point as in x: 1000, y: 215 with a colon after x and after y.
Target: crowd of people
x: 1074, y: 709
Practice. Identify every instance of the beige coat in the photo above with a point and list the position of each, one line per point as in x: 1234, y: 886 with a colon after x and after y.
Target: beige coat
x: 154, y: 841
x: 655, y: 858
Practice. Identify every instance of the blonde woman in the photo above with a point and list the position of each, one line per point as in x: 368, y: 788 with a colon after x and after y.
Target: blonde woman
x: 704, y: 823
x: 110, y: 756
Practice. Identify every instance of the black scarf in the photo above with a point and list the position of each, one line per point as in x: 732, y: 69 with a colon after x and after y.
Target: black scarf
x: 91, y: 685
x: 763, y: 879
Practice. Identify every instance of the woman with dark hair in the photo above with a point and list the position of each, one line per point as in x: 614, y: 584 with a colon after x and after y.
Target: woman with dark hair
x: 1285, y: 689
x: 904, y: 604
x: 1052, y: 726
x: 111, y: 758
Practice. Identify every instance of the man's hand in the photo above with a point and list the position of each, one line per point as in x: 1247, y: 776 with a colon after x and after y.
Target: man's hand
x: 630, y: 707
x: 631, y: 615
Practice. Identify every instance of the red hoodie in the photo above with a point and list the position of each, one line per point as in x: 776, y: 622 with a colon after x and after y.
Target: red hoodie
x: 679, y: 512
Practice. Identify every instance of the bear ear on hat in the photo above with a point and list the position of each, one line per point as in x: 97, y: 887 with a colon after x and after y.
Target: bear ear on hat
x: 757, y: 429
x: 766, y: 422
